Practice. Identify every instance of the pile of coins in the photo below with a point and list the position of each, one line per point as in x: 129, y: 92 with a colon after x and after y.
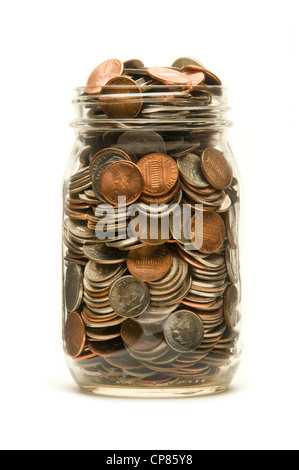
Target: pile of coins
x: 150, y: 310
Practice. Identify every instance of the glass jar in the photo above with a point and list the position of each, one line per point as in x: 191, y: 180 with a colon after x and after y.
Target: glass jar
x: 152, y: 294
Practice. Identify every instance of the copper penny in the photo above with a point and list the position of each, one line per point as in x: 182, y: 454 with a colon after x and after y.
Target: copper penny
x: 125, y: 106
x: 195, y: 78
x: 102, y: 74
x: 161, y: 199
x: 213, y: 232
x: 210, y: 78
x: 75, y: 334
x: 122, y: 179
x: 140, y: 338
x: 231, y: 299
x: 168, y: 76
x: 106, y: 348
x: 160, y: 174
x: 216, y: 168
x: 149, y: 263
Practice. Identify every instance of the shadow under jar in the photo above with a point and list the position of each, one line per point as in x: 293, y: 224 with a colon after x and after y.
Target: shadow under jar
x: 151, y: 243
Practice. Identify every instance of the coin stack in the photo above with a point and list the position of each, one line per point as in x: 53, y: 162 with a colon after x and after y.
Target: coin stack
x: 146, y: 310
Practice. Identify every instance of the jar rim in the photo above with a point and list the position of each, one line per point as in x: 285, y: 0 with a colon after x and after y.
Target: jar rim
x: 211, y: 103
x: 208, y: 88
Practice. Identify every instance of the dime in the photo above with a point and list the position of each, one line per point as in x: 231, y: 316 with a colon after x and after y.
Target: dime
x: 121, y: 179
x: 184, y: 331
x: 231, y: 299
x: 102, y: 254
x: 190, y: 168
x: 79, y: 229
x: 73, y: 287
x: 102, y: 74
x: 160, y: 174
x: 232, y: 262
x: 129, y: 297
x: 216, y: 168
x: 168, y: 76
x: 121, y: 98
x: 98, y: 273
x: 75, y: 335
x: 105, y: 157
x: 213, y: 232
x: 150, y: 263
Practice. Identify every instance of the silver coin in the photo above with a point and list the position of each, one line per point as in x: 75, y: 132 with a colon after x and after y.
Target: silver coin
x: 103, y: 254
x: 129, y: 297
x: 122, y: 243
x: 184, y: 331
x: 173, y: 285
x: 161, y: 310
x: 172, y: 299
x: 190, y: 169
x: 73, y: 287
x: 232, y: 226
x: 142, y: 142
x: 133, y: 64
x: 100, y: 164
x: 231, y: 301
x: 184, y: 61
x: 232, y: 262
x: 97, y: 273
x: 79, y: 229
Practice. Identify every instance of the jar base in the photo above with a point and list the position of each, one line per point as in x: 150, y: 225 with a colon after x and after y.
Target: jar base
x: 140, y: 392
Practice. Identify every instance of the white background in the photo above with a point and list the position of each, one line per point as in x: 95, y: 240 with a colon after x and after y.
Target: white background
x: 48, y: 48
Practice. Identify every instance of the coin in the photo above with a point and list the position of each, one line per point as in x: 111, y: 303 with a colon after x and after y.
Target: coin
x: 232, y: 226
x: 106, y: 348
x: 121, y: 98
x: 232, y: 261
x: 75, y: 335
x: 102, y: 74
x: 121, y: 180
x: 129, y: 297
x: 168, y: 76
x: 99, y: 273
x: 184, y: 331
x: 142, y: 142
x: 149, y: 263
x: 190, y: 168
x: 105, y: 157
x: 73, y: 287
x: 79, y: 229
x: 133, y: 64
x: 216, y: 168
x: 213, y: 232
x: 195, y: 78
x: 160, y: 174
x: 231, y: 299
x: 102, y: 254
x: 141, y: 337
x: 183, y: 61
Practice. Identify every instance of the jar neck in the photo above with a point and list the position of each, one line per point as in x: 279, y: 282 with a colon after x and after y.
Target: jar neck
x: 202, y: 109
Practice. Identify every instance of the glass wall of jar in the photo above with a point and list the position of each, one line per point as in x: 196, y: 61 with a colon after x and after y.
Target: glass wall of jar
x: 151, y: 268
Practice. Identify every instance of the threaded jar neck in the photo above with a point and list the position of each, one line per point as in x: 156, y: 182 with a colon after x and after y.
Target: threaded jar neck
x: 157, y: 107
